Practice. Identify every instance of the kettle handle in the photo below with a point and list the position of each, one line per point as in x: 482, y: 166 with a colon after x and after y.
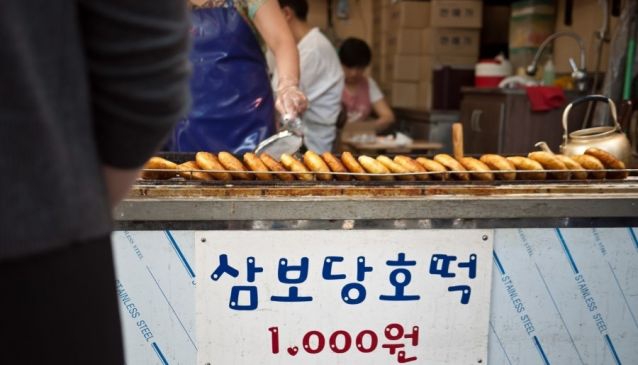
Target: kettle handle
x: 612, y: 108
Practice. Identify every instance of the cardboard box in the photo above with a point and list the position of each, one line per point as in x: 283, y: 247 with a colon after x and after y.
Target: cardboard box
x: 419, y: 68
x: 389, y: 18
x: 431, y: 63
x: 451, y: 41
x: 376, y: 45
x: 407, y: 68
x: 412, y: 95
x: 318, y: 19
x: 389, y: 44
x: 453, y: 60
x: 404, y: 94
x: 404, y: 14
x: 375, y: 71
x: 317, y: 13
x: 424, y: 95
x: 409, y: 41
x: 456, y: 13
x: 414, y: 14
x: 386, y: 68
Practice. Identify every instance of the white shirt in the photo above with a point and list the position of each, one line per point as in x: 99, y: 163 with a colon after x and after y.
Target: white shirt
x: 322, y: 82
x: 375, y: 92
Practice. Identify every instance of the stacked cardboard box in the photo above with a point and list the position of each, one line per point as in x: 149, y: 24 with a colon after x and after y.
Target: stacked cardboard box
x: 415, y: 38
x: 398, y: 27
x: 385, y: 18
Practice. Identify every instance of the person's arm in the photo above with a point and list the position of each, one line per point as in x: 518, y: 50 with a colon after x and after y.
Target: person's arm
x: 273, y: 28
x: 137, y: 59
x: 118, y: 182
x: 385, y: 116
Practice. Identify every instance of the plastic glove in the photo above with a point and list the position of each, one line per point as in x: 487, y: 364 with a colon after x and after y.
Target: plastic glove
x: 291, y: 102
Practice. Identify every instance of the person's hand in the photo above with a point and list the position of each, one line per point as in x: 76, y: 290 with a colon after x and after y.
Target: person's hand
x: 291, y: 101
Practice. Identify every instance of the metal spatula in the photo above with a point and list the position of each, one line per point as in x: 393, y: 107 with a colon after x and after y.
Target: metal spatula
x: 288, y: 140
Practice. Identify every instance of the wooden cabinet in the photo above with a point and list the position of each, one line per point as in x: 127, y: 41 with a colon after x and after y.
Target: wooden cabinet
x: 500, y: 121
x: 483, y: 118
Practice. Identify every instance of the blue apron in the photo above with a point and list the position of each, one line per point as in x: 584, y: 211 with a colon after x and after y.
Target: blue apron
x: 233, y: 107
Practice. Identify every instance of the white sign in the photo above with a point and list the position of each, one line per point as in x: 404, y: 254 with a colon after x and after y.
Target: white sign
x: 343, y: 297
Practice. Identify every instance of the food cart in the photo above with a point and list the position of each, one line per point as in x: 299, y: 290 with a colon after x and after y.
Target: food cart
x: 527, y: 272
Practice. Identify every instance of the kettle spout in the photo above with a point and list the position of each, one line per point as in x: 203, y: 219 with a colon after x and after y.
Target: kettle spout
x: 543, y: 147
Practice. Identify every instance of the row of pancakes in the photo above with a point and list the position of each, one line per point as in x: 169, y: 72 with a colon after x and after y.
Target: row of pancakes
x: 312, y: 166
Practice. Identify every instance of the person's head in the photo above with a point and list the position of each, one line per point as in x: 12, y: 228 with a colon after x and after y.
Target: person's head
x: 355, y: 57
x: 294, y: 9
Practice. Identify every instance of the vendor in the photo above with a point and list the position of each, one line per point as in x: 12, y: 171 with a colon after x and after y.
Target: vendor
x: 321, y: 77
x: 233, y: 107
x: 361, y: 95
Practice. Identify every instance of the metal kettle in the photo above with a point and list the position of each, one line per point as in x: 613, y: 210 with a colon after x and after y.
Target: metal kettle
x: 607, y: 138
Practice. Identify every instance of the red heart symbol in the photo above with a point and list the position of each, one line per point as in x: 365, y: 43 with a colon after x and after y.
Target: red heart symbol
x: 293, y: 350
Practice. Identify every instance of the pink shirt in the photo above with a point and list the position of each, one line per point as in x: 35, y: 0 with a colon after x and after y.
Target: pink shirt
x: 358, y: 104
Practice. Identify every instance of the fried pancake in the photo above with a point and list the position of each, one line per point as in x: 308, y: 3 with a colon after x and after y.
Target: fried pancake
x: 412, y: 166
x: 255, y: 164
x: 610, y: 162
x: 591, y: 164
x: 453, y: 165
x: 335, y: 166
x: 375, y: 167
x: 353, y: 166
x: 315, y: 163
x: 433, y: 166
x: 395, y: 168
x: 527, y: 169
x: 500, y: 163
x: 231, y: 163
x: 299, y: 169
x: 275, y: 166
x: 550, y: 162
x: 208, y: 161
x: 159, y: 164
x: 472, y: 164
x: 189, y: 170
x: 577, y: 171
